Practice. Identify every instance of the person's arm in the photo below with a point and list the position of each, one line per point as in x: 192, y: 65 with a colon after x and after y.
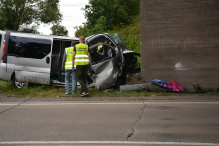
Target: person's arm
x: 88, y: 54
x: 73, y: 57
x: 63, y: 61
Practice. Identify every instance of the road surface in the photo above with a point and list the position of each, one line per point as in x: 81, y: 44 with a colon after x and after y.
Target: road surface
x: 175, y: 121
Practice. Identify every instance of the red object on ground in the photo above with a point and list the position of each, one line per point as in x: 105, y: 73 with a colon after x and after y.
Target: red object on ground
x: 176, y: 86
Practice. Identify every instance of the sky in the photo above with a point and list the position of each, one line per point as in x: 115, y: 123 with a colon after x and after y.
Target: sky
x: 72, y: 16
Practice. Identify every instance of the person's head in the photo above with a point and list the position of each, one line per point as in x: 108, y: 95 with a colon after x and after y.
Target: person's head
x: 82, y: 39
x: 73, y: 43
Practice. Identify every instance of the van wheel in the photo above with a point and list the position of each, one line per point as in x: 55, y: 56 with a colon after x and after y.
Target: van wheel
x: 17, y: 84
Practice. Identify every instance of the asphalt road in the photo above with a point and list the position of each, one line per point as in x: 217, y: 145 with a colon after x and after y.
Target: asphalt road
x: 175, y: 121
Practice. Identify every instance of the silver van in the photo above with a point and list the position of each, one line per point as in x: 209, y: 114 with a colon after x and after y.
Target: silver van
x: 32, y: 58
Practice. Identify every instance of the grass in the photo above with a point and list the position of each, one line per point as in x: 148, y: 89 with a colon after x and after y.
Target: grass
x: 32, y: 91
x: 53, y: 91
x: 7, y: 90
x: 133, y: 40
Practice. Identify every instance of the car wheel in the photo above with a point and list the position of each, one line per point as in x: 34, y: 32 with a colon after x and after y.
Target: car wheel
x: 18, y: 84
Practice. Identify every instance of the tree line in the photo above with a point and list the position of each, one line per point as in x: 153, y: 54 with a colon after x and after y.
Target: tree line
x: 104, y: 15
x: 101, y: 15
x: 27, y: 15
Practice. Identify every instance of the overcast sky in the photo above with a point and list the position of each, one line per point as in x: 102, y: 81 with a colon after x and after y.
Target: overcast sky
x: 72, y: 16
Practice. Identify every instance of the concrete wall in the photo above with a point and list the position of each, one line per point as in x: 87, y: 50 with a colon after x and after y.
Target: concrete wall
x: 180, y: 41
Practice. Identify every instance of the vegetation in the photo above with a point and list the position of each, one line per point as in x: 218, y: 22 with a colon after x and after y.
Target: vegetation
x: 19, y: 15
x: 105, y: 15
x: 59, y: 30
x: 7, y: 90
x: 133, y: 31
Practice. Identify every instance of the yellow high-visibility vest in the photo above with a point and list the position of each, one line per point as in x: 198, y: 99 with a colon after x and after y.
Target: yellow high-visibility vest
x: 99, y: 47
x: 81, y: 57
x: 68, y: 61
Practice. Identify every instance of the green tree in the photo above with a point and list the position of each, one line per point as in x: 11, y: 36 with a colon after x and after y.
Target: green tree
x: 99, y: 27
x: 110, y: 9
x: 2, y: 21
x: 82, y: 31
x: 19, y: 13
x: 29, y: 29
x: 59, y: 30
x: 104, y: 15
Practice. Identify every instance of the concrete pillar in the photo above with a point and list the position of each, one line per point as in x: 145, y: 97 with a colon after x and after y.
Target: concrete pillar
x: 180, y: 41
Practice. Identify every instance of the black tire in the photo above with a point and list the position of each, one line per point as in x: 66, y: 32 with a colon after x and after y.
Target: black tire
x: 17, y: 84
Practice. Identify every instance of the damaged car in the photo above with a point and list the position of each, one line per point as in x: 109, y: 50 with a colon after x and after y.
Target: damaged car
x: 33, y: 58
x: 111, y: 67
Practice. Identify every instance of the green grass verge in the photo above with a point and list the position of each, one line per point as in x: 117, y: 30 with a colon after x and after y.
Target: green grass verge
x: 133, y: 40
x: 7, y: 90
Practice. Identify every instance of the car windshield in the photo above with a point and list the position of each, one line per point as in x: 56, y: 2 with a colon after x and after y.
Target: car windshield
x: 117, y: 39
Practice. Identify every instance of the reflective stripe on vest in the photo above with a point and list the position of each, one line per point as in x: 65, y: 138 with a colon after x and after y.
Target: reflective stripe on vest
x: 68, y: 61
x: 81, y: 57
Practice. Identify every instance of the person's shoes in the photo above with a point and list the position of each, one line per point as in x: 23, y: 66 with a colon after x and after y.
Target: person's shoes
x: 66, y: 93
x: 86, y: 92
x: 83, y: 94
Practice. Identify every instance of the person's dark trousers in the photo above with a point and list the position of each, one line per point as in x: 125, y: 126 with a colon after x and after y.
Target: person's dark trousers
x: 82, y: 73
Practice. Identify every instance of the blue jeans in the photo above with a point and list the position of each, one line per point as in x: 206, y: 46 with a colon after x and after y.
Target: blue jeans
x: 67, y: 81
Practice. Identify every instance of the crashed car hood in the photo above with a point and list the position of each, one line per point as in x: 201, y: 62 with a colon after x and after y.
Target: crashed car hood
x: 126, y: 51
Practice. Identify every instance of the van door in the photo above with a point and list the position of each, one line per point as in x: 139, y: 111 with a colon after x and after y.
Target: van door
x: 30, y: 55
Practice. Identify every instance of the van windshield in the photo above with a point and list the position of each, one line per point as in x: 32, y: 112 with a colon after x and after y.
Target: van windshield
x: 117, y: 39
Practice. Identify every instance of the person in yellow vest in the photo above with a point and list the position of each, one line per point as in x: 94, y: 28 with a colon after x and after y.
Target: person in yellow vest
x: 67, y: 66
x: 100, y: 49
x: 81, y: 58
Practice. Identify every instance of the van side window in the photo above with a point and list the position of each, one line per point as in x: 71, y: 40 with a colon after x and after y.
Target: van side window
x: 56, y: 47
x: 11, y: 45
x: 29, y: 47
x: 67, y: 44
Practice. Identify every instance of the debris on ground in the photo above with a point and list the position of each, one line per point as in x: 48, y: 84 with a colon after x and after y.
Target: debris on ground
x: 158, y: 88
x: 134, y: 87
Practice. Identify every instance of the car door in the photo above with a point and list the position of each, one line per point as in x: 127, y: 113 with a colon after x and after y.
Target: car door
x: 29, y: 56
x: 105, y: 69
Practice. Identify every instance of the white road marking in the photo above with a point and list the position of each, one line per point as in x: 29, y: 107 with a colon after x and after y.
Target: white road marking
x: 6, y: 104
x: 106, y: 103
x: 181, y: 103
x: 109, y: 142
x: 72, y: 103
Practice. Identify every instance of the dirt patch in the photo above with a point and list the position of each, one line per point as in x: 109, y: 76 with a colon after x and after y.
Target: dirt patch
x: 134, y: 79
